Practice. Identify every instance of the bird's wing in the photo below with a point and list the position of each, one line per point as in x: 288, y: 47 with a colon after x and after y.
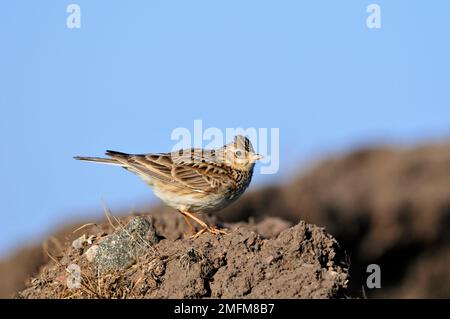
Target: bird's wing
x: 189, y: 170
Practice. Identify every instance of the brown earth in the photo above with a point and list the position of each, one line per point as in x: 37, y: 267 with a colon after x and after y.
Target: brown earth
x: 389, y: 206
x: 302, y: 261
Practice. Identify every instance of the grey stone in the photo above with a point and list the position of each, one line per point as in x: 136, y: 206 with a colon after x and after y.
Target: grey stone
x: 83, y: 241
x: 91, y: 253
x: 121, y: 249
x: 79, y: 242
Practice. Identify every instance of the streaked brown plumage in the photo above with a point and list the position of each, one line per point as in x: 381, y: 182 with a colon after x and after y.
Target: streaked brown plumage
x: 193, y: 180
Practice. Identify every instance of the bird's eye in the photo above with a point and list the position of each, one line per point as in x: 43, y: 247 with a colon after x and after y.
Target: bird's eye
x: 238, y: 153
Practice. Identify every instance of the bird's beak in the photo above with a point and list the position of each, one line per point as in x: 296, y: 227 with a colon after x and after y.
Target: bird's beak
x: 256, y: 157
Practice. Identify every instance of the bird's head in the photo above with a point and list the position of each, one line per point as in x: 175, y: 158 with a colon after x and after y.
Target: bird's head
x: 240, y: 154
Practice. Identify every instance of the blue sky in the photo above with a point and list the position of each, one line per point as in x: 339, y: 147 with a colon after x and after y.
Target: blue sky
x: 136, y: 70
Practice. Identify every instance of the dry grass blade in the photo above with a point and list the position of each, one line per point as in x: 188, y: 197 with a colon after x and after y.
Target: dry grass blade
x: 55, y: 241
x: 51, y: 257
x: 108, y: 214
x: 84, y: 226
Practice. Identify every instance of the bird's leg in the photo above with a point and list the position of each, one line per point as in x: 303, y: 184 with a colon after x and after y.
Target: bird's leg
x: 186, y: 219
x: 205, y: 227
x: 196, y: 219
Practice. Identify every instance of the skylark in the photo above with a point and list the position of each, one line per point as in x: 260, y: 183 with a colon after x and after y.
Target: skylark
x: 193, y: 180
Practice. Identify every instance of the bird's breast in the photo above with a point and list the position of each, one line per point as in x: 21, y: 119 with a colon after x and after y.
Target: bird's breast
x: 198, y: 202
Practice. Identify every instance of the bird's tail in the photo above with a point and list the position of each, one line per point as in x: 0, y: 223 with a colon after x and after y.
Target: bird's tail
x: 108, y: 161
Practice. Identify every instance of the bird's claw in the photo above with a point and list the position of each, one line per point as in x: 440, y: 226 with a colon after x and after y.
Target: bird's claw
x: 210, y: 229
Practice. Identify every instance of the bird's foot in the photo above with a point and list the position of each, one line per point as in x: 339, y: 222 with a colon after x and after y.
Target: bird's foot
x: 210, y: 229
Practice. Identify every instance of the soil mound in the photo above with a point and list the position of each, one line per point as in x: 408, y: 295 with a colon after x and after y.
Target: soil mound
x: 135, y: 261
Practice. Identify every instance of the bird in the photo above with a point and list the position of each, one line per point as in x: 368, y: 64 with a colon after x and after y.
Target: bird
x: 193, y: 180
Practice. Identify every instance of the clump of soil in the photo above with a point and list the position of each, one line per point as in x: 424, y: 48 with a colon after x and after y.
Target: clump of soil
x: 268, y: 259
